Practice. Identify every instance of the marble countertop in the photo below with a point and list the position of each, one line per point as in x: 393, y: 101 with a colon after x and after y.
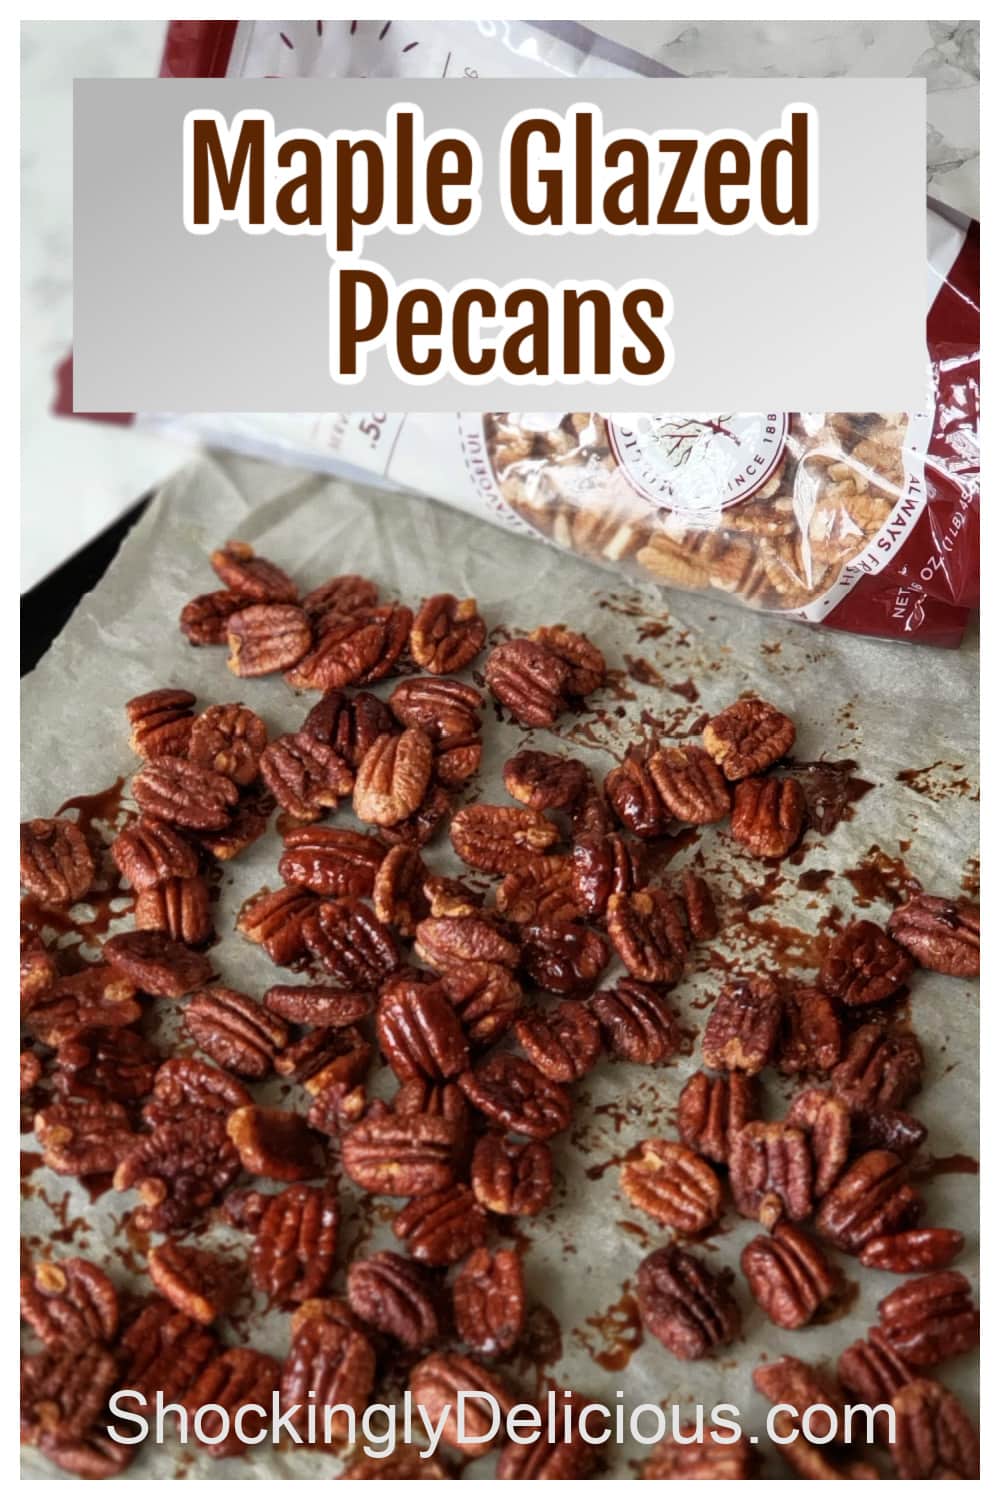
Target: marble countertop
x: 78, y: 476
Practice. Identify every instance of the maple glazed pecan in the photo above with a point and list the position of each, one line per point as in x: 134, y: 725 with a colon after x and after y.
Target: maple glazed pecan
x: 673, y: 1185
x: 685, y: 1305
x: 941, y: 934
x: 747, y: 737
x: 446, y: 634
x: 56, y: 865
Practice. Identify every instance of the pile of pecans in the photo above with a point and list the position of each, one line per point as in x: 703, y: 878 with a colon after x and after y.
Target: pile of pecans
x: 432, y: 972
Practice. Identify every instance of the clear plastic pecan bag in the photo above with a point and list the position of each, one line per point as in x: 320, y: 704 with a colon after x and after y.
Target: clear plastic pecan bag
x: 861, y: 521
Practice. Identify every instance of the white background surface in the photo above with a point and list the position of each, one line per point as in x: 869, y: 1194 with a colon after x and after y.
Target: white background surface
x: 78, y: 476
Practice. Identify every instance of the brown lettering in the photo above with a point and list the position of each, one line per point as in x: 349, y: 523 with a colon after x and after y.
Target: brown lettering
x: 309, y: 181
x: 210, y: 162
x: 552, y: 210
x: 349, y: 213
x: 638, y: 325
x: 410, y: 326
x: 464, y: 303
x: 440, y: 176
x: 535, y: 335
x: 718, y: 176
x: 351, y: 333
x: 668, y: 212
x: 797, y: 150
x: 600, y: 342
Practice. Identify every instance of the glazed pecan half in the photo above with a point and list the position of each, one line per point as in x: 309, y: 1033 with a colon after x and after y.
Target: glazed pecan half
x: 274, y: 1143
x: 689, y: 1308
x: 349, y: 723
x: 180, y: 792
x: 603, y: 866
x: 237, y: 1380
x: 398, y: 894
x: 57, y: 867
x: 880, y: 1069
x: 149, y: 852
x: 564, y: 1043
x: 498, y: 839
x: 771, y: 1172
x: 419, y: 1031
x: 647, y: 932
x: 188, y: 1088
x: 545, y: 782
x: 443, y: 942
x: 243, y: 571
x: 266, y: 638
x: 488, y: 1301
x: 353, y: 649
x: 512, y: 1092
x: 747, y: 737
x: 637, y: 1022
x: 335, y: 862
x: 204, y: 619
x: 487, y: 997
x: 178, y: 1172
x: 699, y: 907
x: 588, y: 668
x: 344, y: 594
x: 228, y: 738
x: 530, y: 680
x: 913, y: 1250
x: 435, y: 1384
x: 157, y: 964
x: 196, y: 1282
x: 542, y: 889
x: 70, y: 1303
x: 351, y: 943
x: 564, y: 958
x: 295, y: 1240
x: 863, y: 965
x: 742, y: 1031
x: 394, y: 1295
x: 636, y: 801
x: 768, y: 815
x: 304, y: 776
x: 930, y: 1319
x: 673, y: 1185
x: 690, y: 784
x: 871, y: 1198
x: 160, y: 722
x: 179, y: 907
x: 789, y: 1276
x: 402, y: 1157
x: 97, y: 996
x: 275, y: 920
x: 711, y: 1112
x: 811, y: 1038
x: 441, y: 1228
x: 512, y: 1177
x: 446, y: 634
x: 941, y: 934
x: 934, y: 1437
x: 235, y: 1031
x: 393, y: 778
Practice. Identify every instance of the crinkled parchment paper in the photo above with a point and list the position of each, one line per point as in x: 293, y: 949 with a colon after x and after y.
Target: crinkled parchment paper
x: 891, y: 708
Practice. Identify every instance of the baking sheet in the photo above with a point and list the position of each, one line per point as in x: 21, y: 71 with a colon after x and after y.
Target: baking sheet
x: 907, y: 716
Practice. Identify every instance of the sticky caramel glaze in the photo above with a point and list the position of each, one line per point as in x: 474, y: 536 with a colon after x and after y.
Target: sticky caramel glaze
x: 617, y: 1332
